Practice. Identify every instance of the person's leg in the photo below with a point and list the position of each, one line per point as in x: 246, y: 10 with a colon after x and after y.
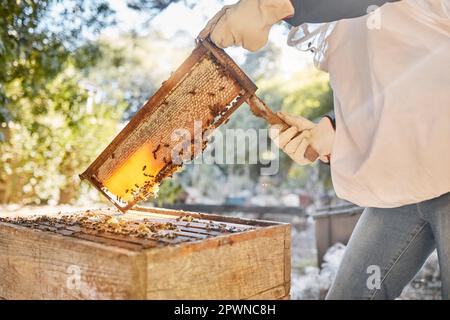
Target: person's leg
x: 437, y: 212
x: 387, y: 248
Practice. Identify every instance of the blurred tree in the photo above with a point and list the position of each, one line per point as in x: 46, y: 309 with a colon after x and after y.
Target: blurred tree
x: 154, y: 7
x: 263, y: 63
x: 36, y: 39
x: 307, y: 94
x: 50, y: 129
x: 132, y: 68
x: 151, y: 6
x: 41, y: 164
x: 170, y: 191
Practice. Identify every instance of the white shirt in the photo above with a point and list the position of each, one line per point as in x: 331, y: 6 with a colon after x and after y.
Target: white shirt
x: 392, y: 104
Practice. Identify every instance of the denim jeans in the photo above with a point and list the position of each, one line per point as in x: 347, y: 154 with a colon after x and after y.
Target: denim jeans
x: 393, y: 244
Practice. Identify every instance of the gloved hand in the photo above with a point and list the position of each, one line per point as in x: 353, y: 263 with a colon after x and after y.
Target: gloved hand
x: 246, y: 23
x: 301, y: 134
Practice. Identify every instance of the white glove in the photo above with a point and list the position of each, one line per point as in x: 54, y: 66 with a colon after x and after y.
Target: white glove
x: 301, y: 134
x: 246, y: 23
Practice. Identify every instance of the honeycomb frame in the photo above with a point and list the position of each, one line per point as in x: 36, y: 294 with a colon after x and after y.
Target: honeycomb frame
x: 208, y: 87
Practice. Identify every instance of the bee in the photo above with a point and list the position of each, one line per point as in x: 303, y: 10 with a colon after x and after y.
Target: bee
x: 192, y: 92
x: 214, y: 110
x: 155, y: 151
x: 113, y: 155
x: 144, y: 167
x: 166, y: 145
x: 211, y: 94
x: 222, y: 88
x: 186, y: 218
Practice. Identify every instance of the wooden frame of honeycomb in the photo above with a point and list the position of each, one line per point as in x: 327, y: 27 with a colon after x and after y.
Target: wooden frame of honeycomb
x: 208, y: 87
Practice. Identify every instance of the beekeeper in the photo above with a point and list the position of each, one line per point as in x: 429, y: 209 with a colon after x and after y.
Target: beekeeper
x: 389, y: 148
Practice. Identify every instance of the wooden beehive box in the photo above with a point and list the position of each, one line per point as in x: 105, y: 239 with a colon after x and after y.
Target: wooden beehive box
x: 199, y: 256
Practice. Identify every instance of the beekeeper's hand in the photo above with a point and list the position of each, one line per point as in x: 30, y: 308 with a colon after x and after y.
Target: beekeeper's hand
x: 246, y: 23
x: 301, y: 134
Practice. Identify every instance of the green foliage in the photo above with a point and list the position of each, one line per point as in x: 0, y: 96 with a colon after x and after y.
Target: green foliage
x: 170, y: 191
x: 132, y: 68
x: 307, y: 94
x: 48, y: 135
x: 312, y: 100
x: 48, y: 149
x: 37, y: 37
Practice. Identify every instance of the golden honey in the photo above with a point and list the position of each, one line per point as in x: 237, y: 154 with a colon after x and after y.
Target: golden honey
x: 135, y: 173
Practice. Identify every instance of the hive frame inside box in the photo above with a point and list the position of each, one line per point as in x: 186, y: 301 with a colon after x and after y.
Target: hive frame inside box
x: 253, y: 264
x: 204, y: 49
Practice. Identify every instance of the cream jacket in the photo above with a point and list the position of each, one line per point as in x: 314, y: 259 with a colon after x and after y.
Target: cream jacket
x: 390, y: 72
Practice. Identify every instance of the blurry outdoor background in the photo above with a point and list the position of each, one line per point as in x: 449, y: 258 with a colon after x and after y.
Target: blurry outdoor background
x: 73, y: 72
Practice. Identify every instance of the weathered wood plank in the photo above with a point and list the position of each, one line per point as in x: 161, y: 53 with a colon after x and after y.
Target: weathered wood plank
x: 240, y: 267
x: 43, y: 265
x: 277, y: 293
x: 287, y: 260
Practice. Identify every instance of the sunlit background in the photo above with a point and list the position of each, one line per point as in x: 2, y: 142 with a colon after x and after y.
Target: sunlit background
x: 74, y: 72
